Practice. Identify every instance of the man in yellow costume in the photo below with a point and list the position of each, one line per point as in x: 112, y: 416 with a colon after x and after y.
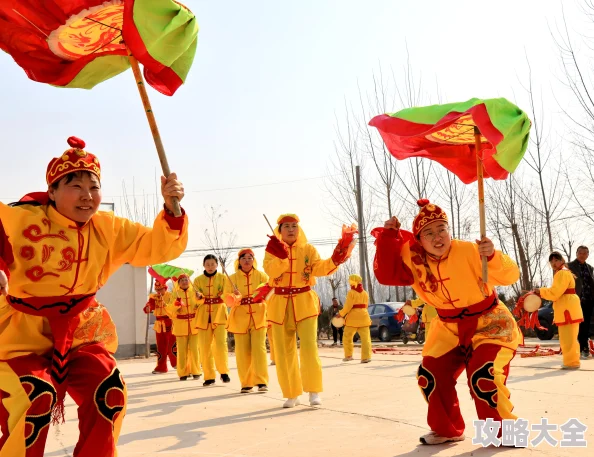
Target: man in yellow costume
x: 566, y: 308
x: 357, y: 320
x: 182, y: 308
x: 56, y: 250
x: 211, y: 321
x: 166, y: 347
x: 293, y: 264
x: 473, y: 331
x: 247, y: 322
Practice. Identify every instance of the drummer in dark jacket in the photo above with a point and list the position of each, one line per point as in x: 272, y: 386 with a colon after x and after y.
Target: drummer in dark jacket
x: 333, y: 312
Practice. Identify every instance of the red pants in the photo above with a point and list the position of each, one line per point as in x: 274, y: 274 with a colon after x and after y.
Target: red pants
x: 166, y: 347
x: 94, y: 383
x: 487, y: 370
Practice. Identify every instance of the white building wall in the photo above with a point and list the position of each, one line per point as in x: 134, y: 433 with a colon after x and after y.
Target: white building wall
x: 125, y: 295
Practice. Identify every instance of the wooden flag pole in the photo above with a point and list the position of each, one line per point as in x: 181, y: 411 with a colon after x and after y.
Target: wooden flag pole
x: 152, y: 123
x: 481, y: 196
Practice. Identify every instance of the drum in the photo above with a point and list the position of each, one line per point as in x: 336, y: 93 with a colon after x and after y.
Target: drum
x: 409, y: 310
x: 338, y: 321
x: 532, y: 303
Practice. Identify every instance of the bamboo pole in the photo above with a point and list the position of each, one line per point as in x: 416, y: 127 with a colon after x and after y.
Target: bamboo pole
x: 481, y: 196
x: 152, y: 123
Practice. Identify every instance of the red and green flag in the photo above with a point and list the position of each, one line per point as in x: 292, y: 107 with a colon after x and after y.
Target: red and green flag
x: 446, y: 134
x: 81, y: 43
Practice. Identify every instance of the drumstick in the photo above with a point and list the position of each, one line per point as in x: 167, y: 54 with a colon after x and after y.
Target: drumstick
x: 225, y: 271
x: 271, y: 229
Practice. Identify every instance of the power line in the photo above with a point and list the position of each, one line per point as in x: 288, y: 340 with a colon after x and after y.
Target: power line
x: 149, y: 194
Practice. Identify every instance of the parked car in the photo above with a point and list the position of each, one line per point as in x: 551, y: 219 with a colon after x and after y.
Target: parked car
x: 383, y: 320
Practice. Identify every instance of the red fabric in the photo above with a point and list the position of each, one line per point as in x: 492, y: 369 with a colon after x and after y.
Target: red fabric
x: 71, y: 161
x: 165, y: 343
x: 262, y: 292
x: 400, y: 315
x: 39, y: 197
x: 62, y: 315
x: 213, y: 301
x: 360, y: 306
x: 97, y: 388
x: 150, y: 306
x: 175, y: 223
x: 277, y: 248
x: 525, y: 319
x: 467, y: 320
x: 291, y: 290
x: 405, y: 139
x: 438, y: 376
x: 35, y: 379
x: 358, y: 288
x: 569, y: 292
x: 343, y: 248
x: 6, y: 256
x: 157, y: 277
x: 28, y: 46
x: 428, y: 213
x: 388, y: 266
x: 160, y: 77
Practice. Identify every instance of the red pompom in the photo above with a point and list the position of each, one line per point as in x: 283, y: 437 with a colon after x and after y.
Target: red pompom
x: 75, y: 142
x: 422, y: 202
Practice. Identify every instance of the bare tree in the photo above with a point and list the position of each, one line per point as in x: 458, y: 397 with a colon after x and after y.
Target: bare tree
x: 221, y: 242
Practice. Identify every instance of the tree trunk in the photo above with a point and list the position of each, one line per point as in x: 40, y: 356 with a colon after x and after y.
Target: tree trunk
x: 525, y: 281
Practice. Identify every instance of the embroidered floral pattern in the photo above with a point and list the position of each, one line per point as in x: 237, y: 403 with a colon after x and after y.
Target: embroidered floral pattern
x: 27, y: 252
x: 307, y: 270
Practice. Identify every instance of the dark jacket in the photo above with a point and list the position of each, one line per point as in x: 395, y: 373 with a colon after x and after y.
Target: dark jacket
x: 331, y: 312
x: 574, y: 266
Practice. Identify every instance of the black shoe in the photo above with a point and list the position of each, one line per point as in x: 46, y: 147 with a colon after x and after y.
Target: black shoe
x: 208, y: 382
x: 183, y: 378
x: 246, y: 390
x: 262, y: 388
x: 197, y: 376
x: 225, y: 378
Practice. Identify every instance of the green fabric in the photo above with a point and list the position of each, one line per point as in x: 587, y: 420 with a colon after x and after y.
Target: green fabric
x: 169, y: 271
x: 432, y: 114
x: 169, y: 32
x: 506, y: 117
x: 99, y: 70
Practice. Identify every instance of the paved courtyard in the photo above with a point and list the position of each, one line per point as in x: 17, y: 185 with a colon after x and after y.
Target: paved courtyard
x: 369, y: 410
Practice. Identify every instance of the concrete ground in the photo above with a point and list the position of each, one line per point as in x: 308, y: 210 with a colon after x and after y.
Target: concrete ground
x: 368, y: 410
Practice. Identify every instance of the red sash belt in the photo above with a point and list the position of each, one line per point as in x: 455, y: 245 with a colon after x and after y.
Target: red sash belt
x: 569, y: 292
x: 162, y: 318
x: 213, y: 301
x: 291, y: 290
x: 467, y: 320
x: 62, y: 314
x: 186, y: 316
x: 360, y: 306
x: 249, y: 301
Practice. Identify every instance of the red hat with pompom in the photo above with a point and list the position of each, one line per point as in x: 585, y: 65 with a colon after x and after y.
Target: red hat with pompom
x: 73, y: 160
x: 428, y: 213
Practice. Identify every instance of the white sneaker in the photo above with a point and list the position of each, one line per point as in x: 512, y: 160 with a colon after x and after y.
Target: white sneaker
x: 434, y: 438
x: 584, y: 355
x: 314, y: 399
x: 291, y: 402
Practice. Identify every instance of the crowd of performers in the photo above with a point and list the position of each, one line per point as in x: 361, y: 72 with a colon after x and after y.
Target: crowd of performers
x: 57, y: 250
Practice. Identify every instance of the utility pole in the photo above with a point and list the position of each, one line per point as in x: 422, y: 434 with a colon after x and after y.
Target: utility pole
x: 362, y: 246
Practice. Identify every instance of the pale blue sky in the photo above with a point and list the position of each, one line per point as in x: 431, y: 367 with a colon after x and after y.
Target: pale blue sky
x: 260, y: 102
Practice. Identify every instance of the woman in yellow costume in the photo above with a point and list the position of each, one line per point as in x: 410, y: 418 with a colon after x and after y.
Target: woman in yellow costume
x: 293, y: 264
x: 473, y: 331
x: 56, y: 250
x: 212, y: 321
x: 567, y: 310
x: 182, y: 308
x: 247, y: 322
x: 356, y: 320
